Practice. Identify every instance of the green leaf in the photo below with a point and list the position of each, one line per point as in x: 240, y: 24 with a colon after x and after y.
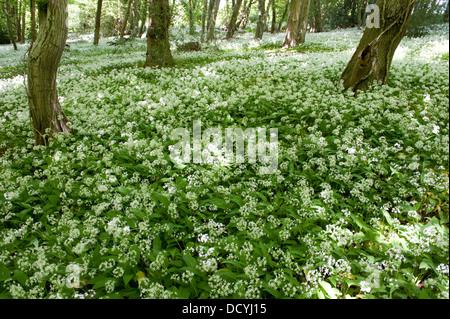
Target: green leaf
x: 330, y: 291
x: 4, y: 272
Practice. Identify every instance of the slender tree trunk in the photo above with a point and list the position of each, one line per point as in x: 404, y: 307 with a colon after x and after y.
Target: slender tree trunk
x: 125, y: 21
x: 46, y: 114
x: 212, y: 21
x: 317, y: 15
x: 266, y: 14
x: 9, y: 25
x: 205, y: 12
x: 260, y: 24
x: 191, y: 17
x: 283, y: 17
x: 297, y: 23
x: 158, y: 45
x: 98, y: 18
x: 17, y: 16
x: 232, y: 26
x: 244, y: 21
x: 24, y: 14
x: 33, y: 20
x: 446, y: 13
x: 373, y: 57
x: 274, y: 18
x: 144, y: 18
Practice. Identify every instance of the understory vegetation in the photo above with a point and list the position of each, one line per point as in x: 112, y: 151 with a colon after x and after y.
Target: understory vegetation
x: 358, y: 207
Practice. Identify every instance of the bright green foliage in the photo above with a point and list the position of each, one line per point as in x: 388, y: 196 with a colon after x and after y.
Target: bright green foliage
x: 358, y: 209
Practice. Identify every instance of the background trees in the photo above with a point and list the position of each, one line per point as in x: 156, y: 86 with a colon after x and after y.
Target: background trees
x: 129, y: 18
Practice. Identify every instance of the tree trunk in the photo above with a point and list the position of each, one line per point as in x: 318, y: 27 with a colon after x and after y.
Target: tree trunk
x: 9, y: 25
x: 244, y: 21
x: 266, y: 14
x: 33, y: 20
x: 232, y: 26
x: 144, y: 18
x: 212, y: 21
x: 191, y: 17
x: 205, y: 11
x: 17, y: 16
x: 446, y: 13
x: 125, y: 21
x: 373, y: 57
x: 46, y: 114
x: 297, y: 23
x: 260, y: 24
x: 317, y: 16
x: 24, y: 13
x: 283, y: 17
x: 98, y: 18
x: 274, y: 18
x: 158, y: 45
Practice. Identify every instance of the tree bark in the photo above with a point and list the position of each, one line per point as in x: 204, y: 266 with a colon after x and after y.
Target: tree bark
x: 212, y: 21
x: 297, y: 23
x: 260, y: 24
x: 144, y: 18
x: 98, y: 18
x: 246, y: 13
x: 24, y: 14
x: 274, y: 18
x: 158, y: 45
x: 33, y: 20
x: 373, y: 57
x: 205, y: 12
x: 125, y: 21
x: 46, y: 114
x: 9, y: 25
x: 232, y: 26
x: 283, y: 17
x: 317, y: 16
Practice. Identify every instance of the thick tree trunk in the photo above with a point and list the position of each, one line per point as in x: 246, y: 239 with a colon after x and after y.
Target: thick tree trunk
x: 98, y: 18
x: 297, y: 23
x: 125, y: 21
x: 260, y: 24
x: 232, y: 26
x: 33, y: 20
x: 9, y: 25
x: 266, y: 14
x: 283, y: 17
x: 212, y: 21
x: 46, y: 114
x: 373, y: 57
x: 158, y: 45
x: 205, y: 12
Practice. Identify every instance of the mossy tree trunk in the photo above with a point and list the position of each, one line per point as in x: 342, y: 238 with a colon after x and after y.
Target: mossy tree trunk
x: 46, y: 114
x: 297, y: 23
x: 98, y: 18
x: 158, y: 45
x: 373, y: 57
